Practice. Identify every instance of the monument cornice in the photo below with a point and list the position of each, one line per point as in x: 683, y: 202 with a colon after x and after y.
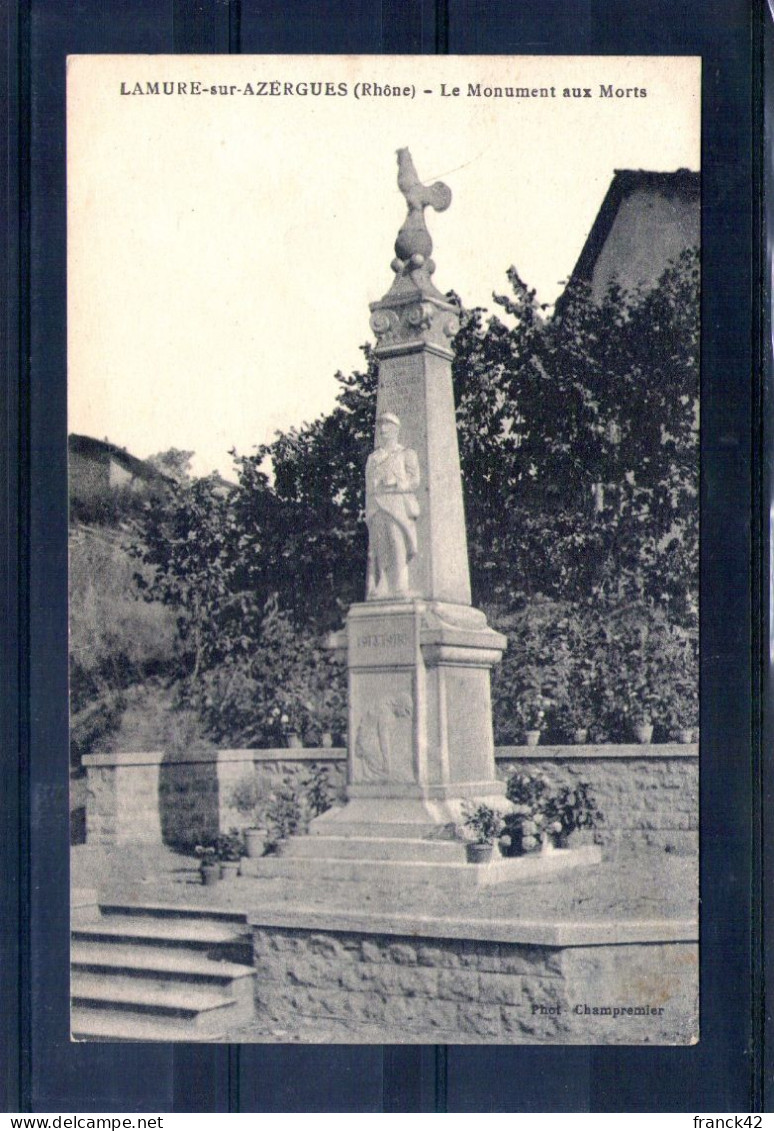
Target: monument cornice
x: 412, y: 321
x: 418, y: 345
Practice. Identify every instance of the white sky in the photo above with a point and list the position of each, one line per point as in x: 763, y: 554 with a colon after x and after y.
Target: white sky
x: 223, y: 250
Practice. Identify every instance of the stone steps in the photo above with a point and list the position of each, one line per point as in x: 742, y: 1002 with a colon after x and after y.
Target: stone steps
x: 89, y: 1025
x: 372, y: 830
x: 453, y: 877
x: 160, y: 973
x: 147, y: 929
x: 375, y: 848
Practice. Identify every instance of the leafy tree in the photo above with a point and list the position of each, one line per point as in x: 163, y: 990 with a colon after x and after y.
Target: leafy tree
x: 173, y: 462
x: 578, y: 440
x: 579, y: 445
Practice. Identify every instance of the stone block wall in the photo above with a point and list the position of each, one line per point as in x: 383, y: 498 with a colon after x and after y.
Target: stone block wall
x: 457, y: 990
x: 649, y: 795
x: 122, y: 801
x: 274, y: 768
x: 183, y: 800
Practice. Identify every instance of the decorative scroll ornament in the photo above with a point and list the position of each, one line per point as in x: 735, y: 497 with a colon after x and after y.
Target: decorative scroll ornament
x: 411, y: 321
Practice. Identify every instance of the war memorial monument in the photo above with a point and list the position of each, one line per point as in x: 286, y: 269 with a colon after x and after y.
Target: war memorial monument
x: 374, y: 927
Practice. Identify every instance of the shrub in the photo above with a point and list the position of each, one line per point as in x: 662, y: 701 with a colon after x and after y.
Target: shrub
x: 319, y: 794
x: 543, y: 812
x: 247, y: 797
x: 284, y: 816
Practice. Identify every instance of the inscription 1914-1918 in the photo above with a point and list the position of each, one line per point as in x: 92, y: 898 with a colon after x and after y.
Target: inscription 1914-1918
x: 387, y: 640
x: 383, y: 640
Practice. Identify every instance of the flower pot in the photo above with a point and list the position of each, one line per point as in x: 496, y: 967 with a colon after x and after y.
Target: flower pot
x: 294, y: 741
x: 255, y: 840
x: 532, y: 737
x: 326, y: 739
x: 685, y: 735
x: 479, y: 853
x: 210, y: 874
x: 643, y: 732
x: 580, y: 736
x: 229, y: 869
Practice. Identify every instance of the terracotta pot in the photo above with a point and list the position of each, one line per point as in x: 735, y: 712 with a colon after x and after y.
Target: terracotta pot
x: 685, y: 735
x: 326, y: 739
x: 229, y: 869
x: 580, y: 736
x: 210, y: 874
x: 479, y: 853
x: 255, y: 840
x: 643, y: 732
x: 532, y: 737
x: 294, y: 741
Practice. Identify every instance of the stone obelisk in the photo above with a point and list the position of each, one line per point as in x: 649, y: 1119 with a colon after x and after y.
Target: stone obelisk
x: 418, y: 655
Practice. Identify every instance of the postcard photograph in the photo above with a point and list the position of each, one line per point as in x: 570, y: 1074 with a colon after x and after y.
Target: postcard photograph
x: 383, y: 448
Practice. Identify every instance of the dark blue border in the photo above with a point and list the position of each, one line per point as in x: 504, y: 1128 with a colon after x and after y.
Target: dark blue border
x: 718, y: 1074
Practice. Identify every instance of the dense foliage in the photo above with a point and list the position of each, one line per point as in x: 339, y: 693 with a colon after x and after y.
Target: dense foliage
x: 579, y: 448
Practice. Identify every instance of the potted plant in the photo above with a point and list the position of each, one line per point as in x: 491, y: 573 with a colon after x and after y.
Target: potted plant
x: 284, y: 818
x: 249, y: 800
x: 545, y: 816
x: 639, y: 701
x: 209, y: 865
x: 641, y: 724
x: 229, y: 849
x: 533, y: 713
x: 656, y: 673
x: 574, y: 719
x: 575, y: 712
x: 529, y: 681
x: 571, y: 810
x: 483, y: 825
x: 287, y: 722
x: 523, y: 826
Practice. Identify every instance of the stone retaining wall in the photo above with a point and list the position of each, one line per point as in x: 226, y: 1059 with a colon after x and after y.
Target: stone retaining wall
x: 454, y: 990
x: 648, y: 794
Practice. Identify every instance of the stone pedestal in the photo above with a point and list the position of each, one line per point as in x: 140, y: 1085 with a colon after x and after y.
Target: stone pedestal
x: 420, y: 717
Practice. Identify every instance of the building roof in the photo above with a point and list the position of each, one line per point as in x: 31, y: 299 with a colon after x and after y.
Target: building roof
x: 90, y: 448
x: 678, y: 191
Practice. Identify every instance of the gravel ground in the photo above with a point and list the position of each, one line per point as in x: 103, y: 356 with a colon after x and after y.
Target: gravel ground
x: 648, y: 885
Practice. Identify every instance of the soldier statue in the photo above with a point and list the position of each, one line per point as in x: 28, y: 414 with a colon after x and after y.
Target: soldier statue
x: 392, y: 477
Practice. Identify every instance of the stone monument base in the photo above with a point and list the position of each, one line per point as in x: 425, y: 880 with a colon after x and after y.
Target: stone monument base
x: 420, y: 719
x: 431, y: 814
x: 381, y: 863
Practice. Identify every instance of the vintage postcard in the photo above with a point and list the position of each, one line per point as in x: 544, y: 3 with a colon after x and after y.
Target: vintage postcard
x: 383, y: 468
